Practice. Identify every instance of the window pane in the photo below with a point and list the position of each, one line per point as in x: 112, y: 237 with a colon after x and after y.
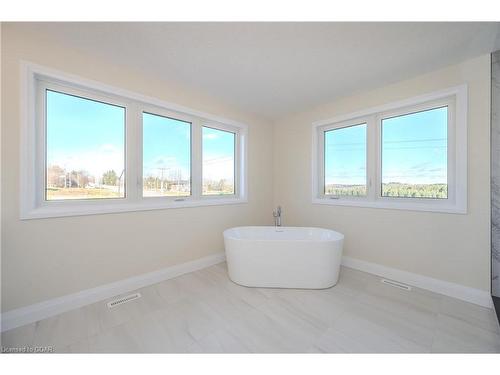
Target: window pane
x: 414, y: 155
x: 85, y: 148
x: 166, y: 156
x: 345, y: 161
x: 218, y: 161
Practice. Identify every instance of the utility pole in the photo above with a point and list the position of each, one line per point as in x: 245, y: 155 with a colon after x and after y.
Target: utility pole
x: 162, y: 170
x: 120, y: 181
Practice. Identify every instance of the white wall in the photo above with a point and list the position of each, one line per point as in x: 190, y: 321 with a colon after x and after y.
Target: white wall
x: 47, y: 258
x: 450, y: 247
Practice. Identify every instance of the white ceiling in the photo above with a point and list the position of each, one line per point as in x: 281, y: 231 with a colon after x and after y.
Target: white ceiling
x: 272, y: 69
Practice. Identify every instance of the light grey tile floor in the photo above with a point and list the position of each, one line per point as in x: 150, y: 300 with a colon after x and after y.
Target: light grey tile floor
x: 204, y: 312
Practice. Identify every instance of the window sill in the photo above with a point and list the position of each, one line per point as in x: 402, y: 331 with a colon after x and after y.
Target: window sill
x: 426, y: 205
x: 64, y: 209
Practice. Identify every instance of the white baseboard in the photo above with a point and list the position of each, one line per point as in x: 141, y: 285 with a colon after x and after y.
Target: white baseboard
x: 32, y: 313
x: 464, y: 293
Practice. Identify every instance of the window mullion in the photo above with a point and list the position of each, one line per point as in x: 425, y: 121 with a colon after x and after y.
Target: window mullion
x: 376, y: 158
x: 133, y: 152
x: 196, y: 159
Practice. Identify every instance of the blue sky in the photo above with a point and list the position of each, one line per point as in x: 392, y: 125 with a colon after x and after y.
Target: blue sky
x: 414, y: 147
x: 84, y: 134
x: 218, y: 154
x: 89, y: 135
x: 345, y: 156
x: 167, y: 146
x: 414, y: 150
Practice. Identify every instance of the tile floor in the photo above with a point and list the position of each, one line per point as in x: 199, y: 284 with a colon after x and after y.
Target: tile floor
x: 204, y: 312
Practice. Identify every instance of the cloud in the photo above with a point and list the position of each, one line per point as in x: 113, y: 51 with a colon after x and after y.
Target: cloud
x: 219, y: 168
x: 96, y: 161
x: 109, y: 148
x: 210, y: 136
x: 165, y: 161
x: 420, y: 166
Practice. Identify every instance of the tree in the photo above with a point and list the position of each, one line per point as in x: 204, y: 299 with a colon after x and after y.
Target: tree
x: 55, y: 176
x: 81, y: 178
x: 109, y: 178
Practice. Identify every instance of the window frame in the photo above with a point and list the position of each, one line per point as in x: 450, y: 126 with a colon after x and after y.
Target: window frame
x: 162, y: 112
x: 322, y: 156
x: 229, y: 129
x: 456, y: 100
x: 451, y: 145
x: 35, y: 79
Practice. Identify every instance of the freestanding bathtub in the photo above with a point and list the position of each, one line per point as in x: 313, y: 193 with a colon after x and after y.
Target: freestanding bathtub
x: 283, y: 257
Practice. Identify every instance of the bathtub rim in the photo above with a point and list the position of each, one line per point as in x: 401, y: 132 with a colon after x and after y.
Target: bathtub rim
x: 227, y: 236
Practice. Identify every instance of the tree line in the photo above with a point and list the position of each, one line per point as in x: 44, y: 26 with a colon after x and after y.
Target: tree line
x: 58, y: 177
x: 392, y: 189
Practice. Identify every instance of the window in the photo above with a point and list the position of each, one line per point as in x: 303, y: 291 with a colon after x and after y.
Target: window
x: 414, y: 155
x: 218, y: 161
x: 345, y: 161
x: 85, y: 148
x: 90, y: 148
x: 406, y: 155
x: 166, y: 156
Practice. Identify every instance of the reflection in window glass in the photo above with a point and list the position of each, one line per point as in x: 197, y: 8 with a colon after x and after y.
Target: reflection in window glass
x: 166, y: 156
x: 218, y: 161
x: 414, y: 155
x: 85, y: 155
x: 345, y: 161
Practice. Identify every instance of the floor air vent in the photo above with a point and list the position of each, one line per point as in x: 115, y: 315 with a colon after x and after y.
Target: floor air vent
x: 395, y: 284
x: 123, y: 300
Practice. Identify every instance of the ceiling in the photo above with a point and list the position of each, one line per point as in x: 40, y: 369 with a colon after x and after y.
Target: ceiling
x: 273, y: 69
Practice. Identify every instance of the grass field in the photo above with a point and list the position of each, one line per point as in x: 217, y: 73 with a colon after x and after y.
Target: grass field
x: 81, y: 193
x: 95, y: 193
x: 165, y: 193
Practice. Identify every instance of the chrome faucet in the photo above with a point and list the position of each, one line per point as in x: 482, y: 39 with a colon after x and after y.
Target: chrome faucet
x: 277, y: 216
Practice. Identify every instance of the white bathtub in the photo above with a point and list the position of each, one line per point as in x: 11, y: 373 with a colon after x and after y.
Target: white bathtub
x: 283, y: 257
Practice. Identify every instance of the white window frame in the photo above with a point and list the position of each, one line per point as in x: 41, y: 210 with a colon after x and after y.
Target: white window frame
x: 456, y: 100
x: 35, y: 79
x: 322, y: 156
x: 237, y: 145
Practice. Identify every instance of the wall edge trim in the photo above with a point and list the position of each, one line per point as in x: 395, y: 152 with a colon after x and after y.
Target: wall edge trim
x: 461, y: 292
